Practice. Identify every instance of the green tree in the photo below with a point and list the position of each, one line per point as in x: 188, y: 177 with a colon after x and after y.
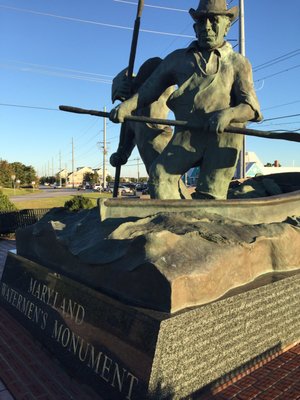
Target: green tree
x: 109, y: 178
x: 144, y: 179
x: 5, y: 203
x: 25, y: 173
x: 272, y: 164
x: 91, y: 178
x: 78, y: 203
x: 5, y: 174
x: 133, y: 179
x: 47, y: 179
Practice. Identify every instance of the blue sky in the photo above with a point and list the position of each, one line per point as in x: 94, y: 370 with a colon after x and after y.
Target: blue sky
x: 56, y: 52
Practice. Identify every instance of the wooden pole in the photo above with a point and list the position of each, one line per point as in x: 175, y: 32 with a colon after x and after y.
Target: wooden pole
x: 241, y: 167
x: 290, y: 136
x: 133, y: 47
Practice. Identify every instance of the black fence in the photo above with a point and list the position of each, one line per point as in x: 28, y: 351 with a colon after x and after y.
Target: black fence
x: 12, y: 220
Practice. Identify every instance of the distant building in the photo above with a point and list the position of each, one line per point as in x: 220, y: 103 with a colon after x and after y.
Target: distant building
x: 192, y: 176
x: 254, y: 167
x: 63, y: 173
x: 76, y: 178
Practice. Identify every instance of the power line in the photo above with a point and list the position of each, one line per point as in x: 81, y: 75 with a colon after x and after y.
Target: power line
x: 234, y: 22
x: 281, y: 131
x: 114, y: 138
x: 133, y: 165
x: 277, y: 60
x: 58, y: 74
x: 25, y: 106
x: 281, y: 105
x: 51, y: 67
x: 89, y: 151
x: 86, y: 130
x: 88, y: 141
x: 174, y: 40
x: 264, y: 124
x: 277, y: 73
x: 283, y: 123
x: 68, y: 154
x: 94, y: 123
x: 152, y: 6
x: 282, y: 117
x: 92, y: 22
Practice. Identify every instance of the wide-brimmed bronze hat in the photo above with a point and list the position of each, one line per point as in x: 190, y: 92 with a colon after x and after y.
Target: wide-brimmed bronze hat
x: 213, y: 7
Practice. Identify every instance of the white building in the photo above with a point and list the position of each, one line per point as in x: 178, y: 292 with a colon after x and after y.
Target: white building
x: 254, y: 166
x: 77, y: 177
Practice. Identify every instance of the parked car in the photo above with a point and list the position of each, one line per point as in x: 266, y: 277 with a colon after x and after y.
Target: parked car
x: 141, y: 186
x: 125, y: 189
x: 146, y: 191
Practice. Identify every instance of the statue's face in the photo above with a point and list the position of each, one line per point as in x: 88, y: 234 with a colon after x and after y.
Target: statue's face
x: 210, y: 31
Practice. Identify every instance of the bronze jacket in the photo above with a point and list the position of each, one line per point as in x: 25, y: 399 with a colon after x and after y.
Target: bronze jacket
x: 226, y: 81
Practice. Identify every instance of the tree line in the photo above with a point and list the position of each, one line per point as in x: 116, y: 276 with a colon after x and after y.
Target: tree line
x: 16, y: 174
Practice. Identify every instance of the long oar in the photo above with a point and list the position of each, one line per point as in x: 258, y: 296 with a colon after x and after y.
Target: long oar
x: 290, y: 136
x: 134, y: 41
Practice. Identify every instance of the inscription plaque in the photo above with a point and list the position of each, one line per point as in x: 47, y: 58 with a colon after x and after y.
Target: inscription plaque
x: 97, y: 338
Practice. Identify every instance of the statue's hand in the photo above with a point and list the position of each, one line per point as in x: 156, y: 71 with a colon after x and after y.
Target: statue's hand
x: 220, y: 120
x: 123, y: 110
x: 118, y: 114
x: 117, y: 159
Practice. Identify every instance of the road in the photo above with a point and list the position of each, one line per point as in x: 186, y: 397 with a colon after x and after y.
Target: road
x: 46, y: 192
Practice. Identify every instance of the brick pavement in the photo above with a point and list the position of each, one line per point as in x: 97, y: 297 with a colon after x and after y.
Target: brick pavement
x: 277, y: 379
x: 29, y: 372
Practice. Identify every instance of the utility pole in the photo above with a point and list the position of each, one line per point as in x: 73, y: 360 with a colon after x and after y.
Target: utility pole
x: 73, y: 163
x: 60, y: 168
x: 138, y: 168
x: 104, y: 152
x: 52, y: 167
x: 186, y: 179
x: 242, y: 49
x: 66, y: 175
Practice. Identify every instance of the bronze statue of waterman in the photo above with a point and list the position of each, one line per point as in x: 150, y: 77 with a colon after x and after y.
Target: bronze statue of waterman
x: 215, y: 90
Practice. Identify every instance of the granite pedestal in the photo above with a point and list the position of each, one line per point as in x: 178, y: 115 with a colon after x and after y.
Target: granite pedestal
x: 131, y: 353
